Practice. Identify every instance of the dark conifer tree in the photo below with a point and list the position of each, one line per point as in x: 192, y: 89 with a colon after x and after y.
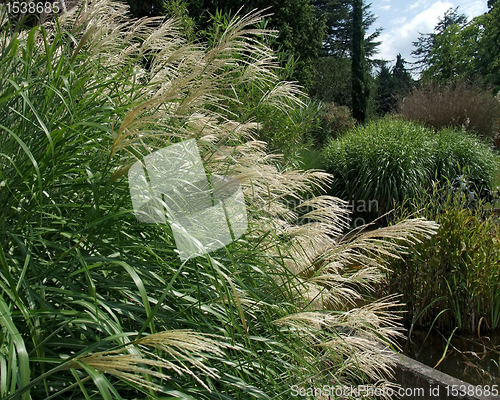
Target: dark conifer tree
x: 403, y: 81
x: 339, y: 28
x: 359, y: 84
x: 392, y: 85
x: 385, y: 91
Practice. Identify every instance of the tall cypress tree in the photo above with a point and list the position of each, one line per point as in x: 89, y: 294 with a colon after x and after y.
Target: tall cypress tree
x: 359, y: 82
x: 339, y: 28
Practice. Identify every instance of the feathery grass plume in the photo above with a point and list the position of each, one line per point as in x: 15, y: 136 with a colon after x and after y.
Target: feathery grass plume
x: 352, y: 339
x: 186, y: 350
x: 83, y: 98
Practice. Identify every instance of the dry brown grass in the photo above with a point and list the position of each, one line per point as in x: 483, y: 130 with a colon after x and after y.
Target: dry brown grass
x: 459, y: 106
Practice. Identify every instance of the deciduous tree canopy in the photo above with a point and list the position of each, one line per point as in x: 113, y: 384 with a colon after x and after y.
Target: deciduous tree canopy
x: 427, y: 41
x: 459, y: 50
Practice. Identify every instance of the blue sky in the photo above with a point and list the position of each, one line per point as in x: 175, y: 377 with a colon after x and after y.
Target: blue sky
x: 402, y: 20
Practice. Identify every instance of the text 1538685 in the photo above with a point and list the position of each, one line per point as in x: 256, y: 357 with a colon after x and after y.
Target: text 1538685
x: 31, y: 7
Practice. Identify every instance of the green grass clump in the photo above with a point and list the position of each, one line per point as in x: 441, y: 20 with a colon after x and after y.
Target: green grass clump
x: 387, y: 160
x: 459, y: 152
x: 391, y: 160
x: 453, y: 279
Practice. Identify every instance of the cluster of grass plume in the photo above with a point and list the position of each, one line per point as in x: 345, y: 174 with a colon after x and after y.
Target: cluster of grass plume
x: 96, y: 304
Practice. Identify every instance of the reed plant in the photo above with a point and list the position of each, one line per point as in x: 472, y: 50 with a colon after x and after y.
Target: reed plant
x: 459, y: 106
x: 94, y: 303
x: 453, y: 279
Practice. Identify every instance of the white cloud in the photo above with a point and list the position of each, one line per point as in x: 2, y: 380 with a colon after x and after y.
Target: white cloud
x: 398, y: 21
x: 399, y: 39
x: 473, y: 8
x: 415, y: 5
x: 385, y: 8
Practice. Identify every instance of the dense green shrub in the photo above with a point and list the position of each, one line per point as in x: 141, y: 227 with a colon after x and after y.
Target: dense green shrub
x: 452, y: 279
x: 391, y: 160
x: 458, y: 152
x: 287, y: 132
x: 386, y: 161
x: 333, y: 80
x: 459, y: 106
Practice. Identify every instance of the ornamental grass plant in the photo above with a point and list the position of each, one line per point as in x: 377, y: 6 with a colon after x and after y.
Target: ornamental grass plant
x: 392, y: 160
x: 459, y: 152
x: 387, y: 160
x: 451, y: 280
x: 460, y: 106
x: 94, y: 303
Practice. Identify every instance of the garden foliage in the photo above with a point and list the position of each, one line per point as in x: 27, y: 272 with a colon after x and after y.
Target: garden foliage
x: 93, y: 302
x: 459, y: 153
x: 459, y: 106
x: 335, y: 121
x: 391, y: 160
x: 462, y: 49
x: 453, y: 279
